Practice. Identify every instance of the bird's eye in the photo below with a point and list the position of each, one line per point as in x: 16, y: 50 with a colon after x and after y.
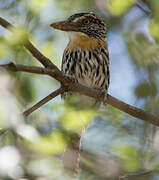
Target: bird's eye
x: 86, y: 21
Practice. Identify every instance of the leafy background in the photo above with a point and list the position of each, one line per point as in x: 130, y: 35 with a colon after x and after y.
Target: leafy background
x: 114, y: 141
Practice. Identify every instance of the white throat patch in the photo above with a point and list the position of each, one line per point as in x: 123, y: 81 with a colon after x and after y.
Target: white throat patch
x: 74, y: 35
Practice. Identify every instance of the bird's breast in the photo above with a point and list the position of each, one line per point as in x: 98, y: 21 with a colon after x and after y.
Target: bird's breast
x: 88, y: 67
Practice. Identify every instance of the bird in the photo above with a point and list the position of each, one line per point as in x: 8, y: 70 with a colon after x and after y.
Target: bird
x: 85, y: 59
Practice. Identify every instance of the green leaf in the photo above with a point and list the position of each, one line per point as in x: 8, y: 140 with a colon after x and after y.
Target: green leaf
x: 17, y: 36
x: 52, y: 144
x: 119, y: 7
x: 39, y: 3
x: 3, y: 120
x: 143, y: 90
x: 75, y: 120
x: 129, y: 156
x: 3, y: 49
x: 154, y: 28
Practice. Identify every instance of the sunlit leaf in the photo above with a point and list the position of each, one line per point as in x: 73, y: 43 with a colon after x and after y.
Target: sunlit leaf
x: 52, y: 144
x: 129, y: 156
x: 75, y: 5
x: 2, y: 117
x: 119, y: 7
x: 17, y: 36
x: 47, y: 49
x: 76, y: 120
x: 36, y: 6
x: 154, y: 28
x: 3, y: 49
x: 38, y: 3
x: 155, y: 7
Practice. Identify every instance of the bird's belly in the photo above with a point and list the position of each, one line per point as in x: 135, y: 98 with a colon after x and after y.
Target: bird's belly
x: 88, y: 76
x: 89, y: 68
x: 87, y: 81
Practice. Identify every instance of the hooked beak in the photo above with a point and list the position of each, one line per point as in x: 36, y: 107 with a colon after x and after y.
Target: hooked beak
x: 63, y: 25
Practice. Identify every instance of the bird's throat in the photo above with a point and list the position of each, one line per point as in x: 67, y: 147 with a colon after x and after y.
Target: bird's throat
x: 80, y: 40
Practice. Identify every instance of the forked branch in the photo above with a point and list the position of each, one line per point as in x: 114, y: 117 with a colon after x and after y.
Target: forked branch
x: 51, y: 70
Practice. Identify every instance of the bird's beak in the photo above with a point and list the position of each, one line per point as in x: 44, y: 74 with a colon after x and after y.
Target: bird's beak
x: 63, y: 25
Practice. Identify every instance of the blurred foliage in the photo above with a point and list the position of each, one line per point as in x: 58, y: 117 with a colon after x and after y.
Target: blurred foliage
x: 117, y: 8
x: 114, y: 143
x: 17, y: 36
x: 75, y: 120
x: 130, y: 158
x: 137, y: 44
x: 54, y: 144
x: 154, y: 28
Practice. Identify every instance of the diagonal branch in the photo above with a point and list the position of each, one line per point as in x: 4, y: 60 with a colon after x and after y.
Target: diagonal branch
x: 133, y: 111
x: 146, y: 11
x: 12, y: 66
x: 53, y: 71
x: 136, y: 112
x: 40, y: 57
x: 43, y: 101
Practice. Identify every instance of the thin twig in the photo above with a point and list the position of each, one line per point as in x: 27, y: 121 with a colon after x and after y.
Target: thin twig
x: 44, y: 101
x: 124, y: 177
x: 133, y: 111
x: 12, y: 66
x: 146, y: 11
x: 40, y: 57
x: 58, y: 75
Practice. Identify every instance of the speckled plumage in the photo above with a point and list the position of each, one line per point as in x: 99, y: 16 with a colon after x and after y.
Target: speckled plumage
x: 90, y: 68
x: 86, y: 56
x: 86, y: 59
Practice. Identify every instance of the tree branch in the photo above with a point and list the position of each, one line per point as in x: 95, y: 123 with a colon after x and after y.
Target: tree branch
x: 43, y: 101
x: 53, y: 71
x: 12, y: 66
x: 146, y: 11
x: 142, y: 173
x: 133, y: 111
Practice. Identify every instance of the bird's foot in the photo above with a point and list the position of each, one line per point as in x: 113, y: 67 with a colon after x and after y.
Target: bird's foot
x: 70, y: 78
x: 105, y: 95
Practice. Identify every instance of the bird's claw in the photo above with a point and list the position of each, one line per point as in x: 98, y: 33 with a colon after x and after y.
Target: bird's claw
x: 104, y: 94
x: 70, y: 78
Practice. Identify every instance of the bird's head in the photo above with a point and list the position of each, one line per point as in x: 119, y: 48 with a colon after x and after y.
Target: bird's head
x: 87, y: 24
